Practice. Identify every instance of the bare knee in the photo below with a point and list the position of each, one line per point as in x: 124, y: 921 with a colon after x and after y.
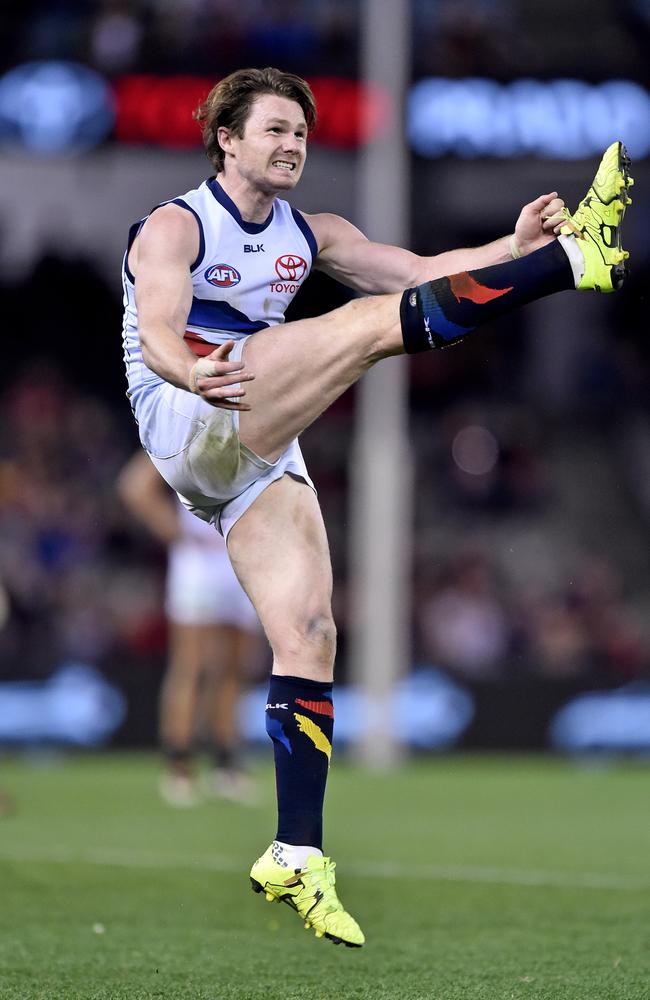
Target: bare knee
x: 320, y: 633
x: 306, y: 647
x: 373, y: 323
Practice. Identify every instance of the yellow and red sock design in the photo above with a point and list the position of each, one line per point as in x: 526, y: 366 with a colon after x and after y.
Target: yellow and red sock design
x: 300, y: 721
x: 324, y: 707
x: 443, y: 312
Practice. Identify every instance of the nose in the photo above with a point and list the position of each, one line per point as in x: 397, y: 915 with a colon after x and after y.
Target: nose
x: 291, y: 144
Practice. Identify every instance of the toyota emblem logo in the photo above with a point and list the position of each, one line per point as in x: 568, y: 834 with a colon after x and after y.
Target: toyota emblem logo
x: 290, y: 267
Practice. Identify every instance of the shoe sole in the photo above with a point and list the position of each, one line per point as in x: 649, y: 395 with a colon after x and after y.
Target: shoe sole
x: 624, y: 181
x: 258, y: 887
x: 620, y: 270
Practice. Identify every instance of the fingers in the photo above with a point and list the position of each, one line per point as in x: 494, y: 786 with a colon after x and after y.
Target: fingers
x: 228, y: 404
x: 222, y: 396
x: 217, y: 366
x: 226, y: 399
x: 553, y: 207
x: 220, y: 357
x: 228, y: 372
x: 553, y: 220
x: 554, y: 224
x: 554, y: 216
x: 540, y: 203
x: 560, y: 221
x: 550, y: 211
x: 222, y: 366
x: 221, y: 352
x: 211, y: 372
x: 207, y: 382
x: 219, y: 390
x: 545, y: 206
x: 563, y: 223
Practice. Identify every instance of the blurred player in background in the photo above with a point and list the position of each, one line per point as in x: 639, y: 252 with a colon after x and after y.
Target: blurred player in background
x: 213, y: 638
x: 210, y: 275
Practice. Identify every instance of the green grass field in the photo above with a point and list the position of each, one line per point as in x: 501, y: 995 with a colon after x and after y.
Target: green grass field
x: 473, y: 879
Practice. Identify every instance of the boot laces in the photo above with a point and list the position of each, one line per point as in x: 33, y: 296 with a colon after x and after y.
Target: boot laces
x: 322, y: 882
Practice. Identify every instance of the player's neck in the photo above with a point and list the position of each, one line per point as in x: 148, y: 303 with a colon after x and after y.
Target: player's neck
x: 254, y: 205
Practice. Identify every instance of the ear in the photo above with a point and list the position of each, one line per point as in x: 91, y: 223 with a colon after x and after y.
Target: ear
x: 224, y: 138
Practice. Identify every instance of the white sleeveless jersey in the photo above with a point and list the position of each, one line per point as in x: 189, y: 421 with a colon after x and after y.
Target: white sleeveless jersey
x: 243, y: 280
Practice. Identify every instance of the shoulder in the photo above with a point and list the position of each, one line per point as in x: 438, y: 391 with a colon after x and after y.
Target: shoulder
x: 173, y: 226
x: 331, y: 230
x: 172, y: 217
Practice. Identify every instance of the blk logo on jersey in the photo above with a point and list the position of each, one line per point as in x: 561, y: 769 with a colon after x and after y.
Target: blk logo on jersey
x: 290, y: 267
x: 223, y: 275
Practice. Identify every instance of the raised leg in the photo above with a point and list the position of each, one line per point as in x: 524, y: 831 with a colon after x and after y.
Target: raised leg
x: 303, y: 367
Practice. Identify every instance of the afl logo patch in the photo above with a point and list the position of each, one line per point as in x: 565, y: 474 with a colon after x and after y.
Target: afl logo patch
x: 290, y: 267
x: 223, y: 275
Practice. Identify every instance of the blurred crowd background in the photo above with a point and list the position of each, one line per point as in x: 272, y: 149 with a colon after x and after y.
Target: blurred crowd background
x: 500, y: 39
x: 531, y: 442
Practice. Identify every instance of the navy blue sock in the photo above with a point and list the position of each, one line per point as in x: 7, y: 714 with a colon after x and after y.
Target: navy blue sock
x: 442, y: 312
x: 300, y: 721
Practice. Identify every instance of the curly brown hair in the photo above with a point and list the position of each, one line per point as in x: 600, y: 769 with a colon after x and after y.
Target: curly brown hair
x: 228, y: 104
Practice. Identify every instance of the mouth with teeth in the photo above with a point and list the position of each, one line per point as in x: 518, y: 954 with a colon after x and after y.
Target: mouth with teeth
x: 284, y: 165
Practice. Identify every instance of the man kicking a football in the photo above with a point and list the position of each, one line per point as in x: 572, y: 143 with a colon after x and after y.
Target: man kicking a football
x: 221, y: 389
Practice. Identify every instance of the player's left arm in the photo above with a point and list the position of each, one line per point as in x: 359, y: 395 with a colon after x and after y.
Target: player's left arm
x: 346, y: 254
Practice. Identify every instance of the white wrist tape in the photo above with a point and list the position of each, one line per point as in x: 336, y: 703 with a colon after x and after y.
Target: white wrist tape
x: 515, y: 252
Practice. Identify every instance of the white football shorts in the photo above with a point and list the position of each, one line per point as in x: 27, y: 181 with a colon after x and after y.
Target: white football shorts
x: 196, y: 449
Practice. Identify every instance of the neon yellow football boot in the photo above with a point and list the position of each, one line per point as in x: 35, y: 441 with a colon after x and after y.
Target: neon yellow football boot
x: 311, y: 892
x: 596, y: 223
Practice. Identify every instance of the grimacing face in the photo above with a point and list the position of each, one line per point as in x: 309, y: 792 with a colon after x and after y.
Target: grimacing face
x: 270, y: 155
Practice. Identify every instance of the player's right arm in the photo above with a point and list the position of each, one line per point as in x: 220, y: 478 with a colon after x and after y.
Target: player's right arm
x: 160, y: 260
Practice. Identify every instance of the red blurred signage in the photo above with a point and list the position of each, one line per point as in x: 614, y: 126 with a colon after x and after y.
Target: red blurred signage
x: 158, y: 110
